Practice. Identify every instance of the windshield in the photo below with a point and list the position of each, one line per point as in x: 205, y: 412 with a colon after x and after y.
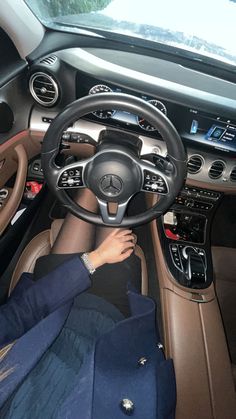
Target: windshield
x: 206, y: 27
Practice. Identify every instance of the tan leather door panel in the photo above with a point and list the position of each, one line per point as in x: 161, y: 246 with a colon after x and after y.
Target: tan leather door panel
x: 14, y: 156
x: 20, y: 160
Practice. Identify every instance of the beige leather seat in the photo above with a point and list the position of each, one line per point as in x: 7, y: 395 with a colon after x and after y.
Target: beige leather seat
x: 41, y: 245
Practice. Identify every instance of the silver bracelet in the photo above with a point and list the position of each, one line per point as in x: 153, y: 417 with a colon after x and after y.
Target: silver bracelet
x: 87, y: 263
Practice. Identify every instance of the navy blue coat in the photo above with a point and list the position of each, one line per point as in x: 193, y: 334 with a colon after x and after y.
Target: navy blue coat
x: 35, y: 315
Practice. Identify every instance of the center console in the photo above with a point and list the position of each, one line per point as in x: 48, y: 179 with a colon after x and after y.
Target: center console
x: 193, y: 332
x: 185, y: 236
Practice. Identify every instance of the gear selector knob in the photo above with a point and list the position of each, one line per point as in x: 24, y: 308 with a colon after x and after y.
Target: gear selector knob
x: 195, y: 266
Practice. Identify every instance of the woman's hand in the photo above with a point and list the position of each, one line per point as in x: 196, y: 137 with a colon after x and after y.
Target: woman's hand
x: 117, y: 247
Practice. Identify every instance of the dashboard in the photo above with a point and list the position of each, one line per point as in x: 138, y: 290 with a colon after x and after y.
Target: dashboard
x: 204, y: 117
x: 198, y: 127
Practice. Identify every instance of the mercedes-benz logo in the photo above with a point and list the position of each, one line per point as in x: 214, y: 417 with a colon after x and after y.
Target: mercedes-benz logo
x: 111, y: 185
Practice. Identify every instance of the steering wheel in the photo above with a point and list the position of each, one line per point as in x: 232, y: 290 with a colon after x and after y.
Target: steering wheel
x: 117, y: 171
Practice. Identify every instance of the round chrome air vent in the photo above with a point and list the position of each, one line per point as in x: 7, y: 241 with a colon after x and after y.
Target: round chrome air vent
x: 233, y: 174
x: 195, y: 163
x: 44, y: 89
x: 216, y: 169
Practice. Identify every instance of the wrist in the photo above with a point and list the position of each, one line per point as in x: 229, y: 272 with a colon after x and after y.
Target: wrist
x: 88, y: 263
x: 95, y: 259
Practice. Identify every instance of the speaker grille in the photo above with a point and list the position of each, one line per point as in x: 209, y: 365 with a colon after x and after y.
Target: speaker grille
x: 50, y: 60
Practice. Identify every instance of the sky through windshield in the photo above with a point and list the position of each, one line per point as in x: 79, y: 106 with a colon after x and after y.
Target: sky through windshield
x: 204, y: 26
x: 211, y: 20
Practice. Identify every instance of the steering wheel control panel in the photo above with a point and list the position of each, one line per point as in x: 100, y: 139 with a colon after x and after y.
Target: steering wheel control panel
x: 154, y: 183
x: 71, y: 178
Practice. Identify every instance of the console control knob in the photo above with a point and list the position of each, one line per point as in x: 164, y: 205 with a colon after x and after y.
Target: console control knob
x: 186, y: 250
x: 189, y: 203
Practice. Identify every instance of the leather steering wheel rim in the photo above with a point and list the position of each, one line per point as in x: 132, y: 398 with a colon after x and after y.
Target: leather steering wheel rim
x: 175, y: 153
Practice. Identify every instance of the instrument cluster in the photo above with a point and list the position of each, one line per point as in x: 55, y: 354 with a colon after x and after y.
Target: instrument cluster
x: 125, y: 116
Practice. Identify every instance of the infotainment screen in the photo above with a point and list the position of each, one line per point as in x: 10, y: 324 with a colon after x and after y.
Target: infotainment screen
x: 212, y: 130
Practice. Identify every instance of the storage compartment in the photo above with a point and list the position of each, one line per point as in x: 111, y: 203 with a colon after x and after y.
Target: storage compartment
x: 185, y: 226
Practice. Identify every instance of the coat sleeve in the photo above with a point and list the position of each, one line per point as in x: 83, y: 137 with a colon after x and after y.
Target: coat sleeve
x: 36, y: 300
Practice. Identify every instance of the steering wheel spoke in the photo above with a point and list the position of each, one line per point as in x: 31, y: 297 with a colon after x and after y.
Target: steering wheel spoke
x: 154, y: 180
x: 72, y: 176
x: 111, y: 218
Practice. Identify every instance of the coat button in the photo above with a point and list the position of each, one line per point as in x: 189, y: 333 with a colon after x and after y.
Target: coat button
x: 142, y: 361
x: 127, y: 406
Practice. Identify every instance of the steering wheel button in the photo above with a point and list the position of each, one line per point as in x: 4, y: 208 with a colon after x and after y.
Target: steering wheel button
x: 75, y: 137
x: 66, y: 136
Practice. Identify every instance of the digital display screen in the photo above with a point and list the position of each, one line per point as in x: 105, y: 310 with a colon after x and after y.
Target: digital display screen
x: 212, y: 130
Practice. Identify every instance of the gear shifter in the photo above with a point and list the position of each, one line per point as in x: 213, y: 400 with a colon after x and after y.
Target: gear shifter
x: 195, y: 267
